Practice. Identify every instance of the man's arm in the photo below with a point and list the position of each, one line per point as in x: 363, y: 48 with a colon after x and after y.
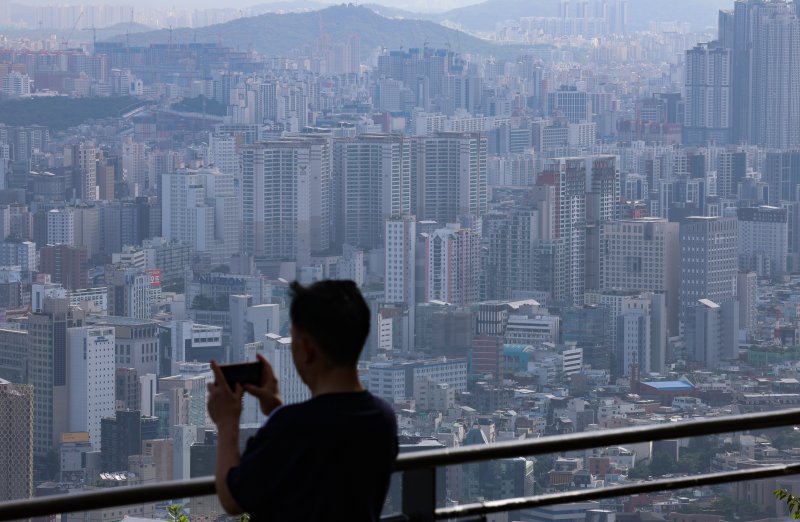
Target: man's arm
x: 225, y: 408
x: 227, y: 458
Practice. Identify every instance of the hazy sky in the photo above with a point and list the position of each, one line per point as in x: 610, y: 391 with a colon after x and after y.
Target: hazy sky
x: 415, y: 5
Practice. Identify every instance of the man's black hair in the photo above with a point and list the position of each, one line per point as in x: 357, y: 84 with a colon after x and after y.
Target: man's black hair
x: 335, y: 315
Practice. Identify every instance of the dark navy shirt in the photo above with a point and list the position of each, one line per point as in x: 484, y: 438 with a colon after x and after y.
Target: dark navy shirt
x: 326, y: 459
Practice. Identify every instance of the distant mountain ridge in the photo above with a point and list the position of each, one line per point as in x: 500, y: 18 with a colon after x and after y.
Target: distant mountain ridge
x: 273, y: 33
x: 484, y: 16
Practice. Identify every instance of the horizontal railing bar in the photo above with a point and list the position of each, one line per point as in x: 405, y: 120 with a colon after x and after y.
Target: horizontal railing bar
x: 709, y: 479
x: 93, y: 500
x: 400, y: 517
x: 120, y: 496
x: 596, y: 439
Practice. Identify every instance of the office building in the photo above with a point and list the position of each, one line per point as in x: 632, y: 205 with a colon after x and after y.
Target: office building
x: 250, y: 323
x: 762, y: 241
x: 90, y: 379
x: 47, y: 369
x: 713, y: 332
x: 278, y: 351
x: 16, y: 441
x: 636, y: 328
x: 747, y: 289
x: 394, y: 381
x: 571, y: 103
x: 61, y: 227
x: 13, y: 355
x: 642, y: 254
x: 19, y: 253
x: 131, y: 291
x: 66, y: 264
x: 708, y: 260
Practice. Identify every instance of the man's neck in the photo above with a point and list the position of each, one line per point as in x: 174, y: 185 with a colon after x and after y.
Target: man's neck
x: 337, y: 380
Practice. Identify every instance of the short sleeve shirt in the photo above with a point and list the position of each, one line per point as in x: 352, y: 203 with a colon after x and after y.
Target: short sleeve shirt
x: 327, y: 459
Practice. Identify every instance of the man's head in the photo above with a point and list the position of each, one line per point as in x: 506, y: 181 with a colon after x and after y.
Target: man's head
x: 330, y: 324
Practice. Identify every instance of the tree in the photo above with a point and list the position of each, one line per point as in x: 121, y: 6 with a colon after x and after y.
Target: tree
x: 541, y: 469
x: 662, y: 463
x: 640, y: 471
x: 791, y: 501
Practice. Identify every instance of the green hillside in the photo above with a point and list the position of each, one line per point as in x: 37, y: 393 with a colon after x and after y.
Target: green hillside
x: 276, y: 34
x: 59, y: 112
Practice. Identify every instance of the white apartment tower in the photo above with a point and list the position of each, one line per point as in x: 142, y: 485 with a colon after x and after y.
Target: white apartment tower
x: 452, y: 266
x: 450, y: 169
x: 61, y: 227
x: 200, y: 207
x: 90, y: 378
x: 400, y: 251
x: 223, y: 155
x: 569, y: 177
x: 374, y: 173
x: 286, y: 198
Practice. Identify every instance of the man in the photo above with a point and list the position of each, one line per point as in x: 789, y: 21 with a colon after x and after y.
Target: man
x: 329, y: 458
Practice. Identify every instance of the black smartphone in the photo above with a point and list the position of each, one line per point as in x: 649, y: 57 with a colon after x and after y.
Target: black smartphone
x: 243, y: 373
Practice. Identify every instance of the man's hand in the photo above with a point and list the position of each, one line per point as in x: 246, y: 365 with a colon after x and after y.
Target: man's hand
x: 224, y: 404
x: 268, y: 393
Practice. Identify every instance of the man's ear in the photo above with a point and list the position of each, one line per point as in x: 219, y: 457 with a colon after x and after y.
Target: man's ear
x: 308, y: 350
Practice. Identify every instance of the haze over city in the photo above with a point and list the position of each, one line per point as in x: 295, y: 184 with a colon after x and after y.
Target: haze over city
x: 566, y: 217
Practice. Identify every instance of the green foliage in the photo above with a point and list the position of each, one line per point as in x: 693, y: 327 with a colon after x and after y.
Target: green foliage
x: 176, y: 513
x: 541, y: 468
x: 736, y: 509
x: 786, y: 440
x: 791, y: 501
x: 662, y: 463
x: 60, y: 113
x: 200, y: 104
x: 640, y: 471
x: 696, y: 458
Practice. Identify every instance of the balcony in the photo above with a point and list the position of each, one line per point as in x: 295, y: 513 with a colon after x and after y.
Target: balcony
x: 419, y: 474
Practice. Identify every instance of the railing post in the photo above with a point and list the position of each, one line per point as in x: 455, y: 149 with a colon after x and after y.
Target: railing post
x: 419, y: 494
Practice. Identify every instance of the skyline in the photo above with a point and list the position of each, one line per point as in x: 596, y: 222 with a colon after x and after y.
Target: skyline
x: 585, y: 219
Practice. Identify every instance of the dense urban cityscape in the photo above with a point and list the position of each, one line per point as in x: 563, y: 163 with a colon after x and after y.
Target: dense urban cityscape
x: 566, y: 216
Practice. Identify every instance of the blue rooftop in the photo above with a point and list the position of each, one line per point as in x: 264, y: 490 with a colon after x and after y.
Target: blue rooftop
x: 670, y: 385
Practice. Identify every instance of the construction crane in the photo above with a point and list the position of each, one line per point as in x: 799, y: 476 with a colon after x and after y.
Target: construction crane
x: 128, y: 32
x: 93, y: 29
x: 65, y: 42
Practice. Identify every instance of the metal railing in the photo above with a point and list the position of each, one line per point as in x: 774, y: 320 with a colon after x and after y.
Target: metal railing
x: 419, y: 473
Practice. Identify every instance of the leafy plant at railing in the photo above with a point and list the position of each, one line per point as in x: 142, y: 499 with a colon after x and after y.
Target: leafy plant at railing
x: 791, y: 501
x: 176, y: 513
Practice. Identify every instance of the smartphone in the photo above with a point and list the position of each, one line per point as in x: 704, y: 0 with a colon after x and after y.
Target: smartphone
x: 243, y: 373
